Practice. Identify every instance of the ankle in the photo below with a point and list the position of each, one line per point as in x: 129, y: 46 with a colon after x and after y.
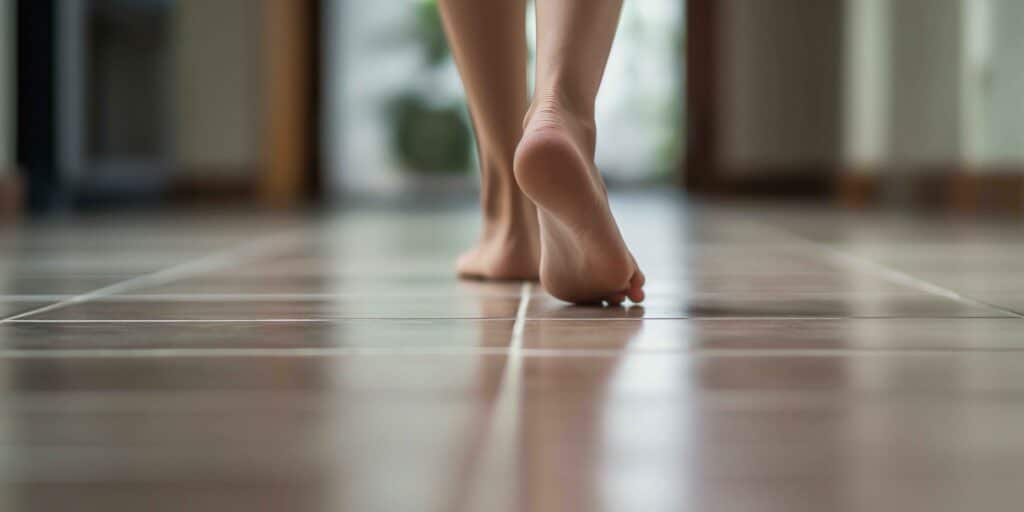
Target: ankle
x: 505, y: 209
x: 514, y: 236
x: 559, y: 110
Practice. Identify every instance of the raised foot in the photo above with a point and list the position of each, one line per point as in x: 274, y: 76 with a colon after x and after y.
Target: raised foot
x: 583, y: 257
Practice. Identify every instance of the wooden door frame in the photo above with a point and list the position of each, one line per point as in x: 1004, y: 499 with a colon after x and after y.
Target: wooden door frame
x: 699, y: 171
x: 292, y: 81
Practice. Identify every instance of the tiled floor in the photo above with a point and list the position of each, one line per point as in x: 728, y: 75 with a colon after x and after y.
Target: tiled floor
x: 788, y: 359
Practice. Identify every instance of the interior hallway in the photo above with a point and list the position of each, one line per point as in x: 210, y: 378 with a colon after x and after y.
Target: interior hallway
x: 787, y: 358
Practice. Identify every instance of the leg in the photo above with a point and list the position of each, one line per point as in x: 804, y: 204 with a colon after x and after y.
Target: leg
x: 583, y: 256
x: 488, y: 41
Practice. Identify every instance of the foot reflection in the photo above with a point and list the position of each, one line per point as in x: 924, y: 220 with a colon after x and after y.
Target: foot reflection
x: 568, y: 311
x: 564, y: 402
x: 537, y: 438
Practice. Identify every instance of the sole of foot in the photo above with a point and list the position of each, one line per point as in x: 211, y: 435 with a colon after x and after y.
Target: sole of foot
x: 584, y: 259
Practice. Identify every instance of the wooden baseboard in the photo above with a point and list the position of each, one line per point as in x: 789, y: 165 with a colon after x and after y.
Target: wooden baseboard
x: 856, y: 189
x: 994, y: 192
x: 811, y: 181
x: 952, y: 188
x: 968, y: 191
x: 216, y: 187
x: 12, y: 194
x: 289, y: 110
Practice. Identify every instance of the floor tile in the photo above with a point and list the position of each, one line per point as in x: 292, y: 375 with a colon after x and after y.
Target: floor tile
x: 788, y: 357
x: 703, y: 430
x: 202, y: 426
x: 896, y: 334
x: 1011, y: 301
x: 972, y: 281
x: 791, y: 304
x: 674, y: 266
x: 432, y: 285
x: 11, y: 307
x: 97, y: 263
x: 343, y: 307
x: 54, y: 285
x: 775, y: 282
x: 431, y: 334
x: 379, y: 269
x: 742, y: 433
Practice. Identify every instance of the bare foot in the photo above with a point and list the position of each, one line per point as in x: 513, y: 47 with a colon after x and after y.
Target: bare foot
x: 509, y: 247
x: 583, y: 256
x: 501, y: 258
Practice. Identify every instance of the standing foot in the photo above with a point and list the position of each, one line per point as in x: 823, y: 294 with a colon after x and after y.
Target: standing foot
x: 509, y: 246
x: 502, y: 257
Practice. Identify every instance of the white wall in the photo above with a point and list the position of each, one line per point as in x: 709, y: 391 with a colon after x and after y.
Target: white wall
x: 920, y: 85
x: 925, y: 77
x: 946, y: 76
x: 780, y: 80
x: 1003, y: 88
x: 905, y: 85
x: 219, y: 118
x: 7, y: 76
x: 865, y: 84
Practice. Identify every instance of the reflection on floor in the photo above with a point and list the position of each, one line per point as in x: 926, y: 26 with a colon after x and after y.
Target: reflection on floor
x: 787, y: 359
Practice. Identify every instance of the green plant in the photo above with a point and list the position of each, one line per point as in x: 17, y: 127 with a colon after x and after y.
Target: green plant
x: 430, y: 32
x: 428, y: 138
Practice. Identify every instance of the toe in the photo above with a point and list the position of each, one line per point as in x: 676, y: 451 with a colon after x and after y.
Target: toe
x: 616, y: 299
x: 636, y: 286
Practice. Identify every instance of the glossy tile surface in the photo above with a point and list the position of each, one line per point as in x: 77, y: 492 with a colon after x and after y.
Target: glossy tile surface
x: 292, y: 308
x: 787, y: 358
x: 427, y: 334
x: 776, y: 304
x: 780, y: 334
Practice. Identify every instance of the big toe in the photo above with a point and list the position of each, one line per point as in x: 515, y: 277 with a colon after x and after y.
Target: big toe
x: 636, y: 286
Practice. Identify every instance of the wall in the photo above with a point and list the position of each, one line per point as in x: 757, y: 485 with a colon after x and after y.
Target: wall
x: 895, y: 86
x: 865, y: 84
x: 925, y: 76
x: 7, y: 156
x: 219, y: 97
x: 904, y: 86
x: 947, y: 74
x: 780, y: 71
x: 1003, y: 88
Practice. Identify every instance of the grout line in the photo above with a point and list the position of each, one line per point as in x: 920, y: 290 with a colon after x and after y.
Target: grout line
x: 497, y: 463
x: 312, y: 297
x: 894, y: 275
x: 385, y: 319
x: 294, y: 297
x: 169, y: 274
x: 506, y: 408
x: 252, y: 320
x: 516, y: 342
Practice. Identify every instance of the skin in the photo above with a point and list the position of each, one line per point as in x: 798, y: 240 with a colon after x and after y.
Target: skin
x: 488, y: 41
x: 544, y: 203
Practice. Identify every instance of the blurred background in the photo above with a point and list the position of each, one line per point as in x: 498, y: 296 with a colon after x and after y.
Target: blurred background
x: 288, y: 103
